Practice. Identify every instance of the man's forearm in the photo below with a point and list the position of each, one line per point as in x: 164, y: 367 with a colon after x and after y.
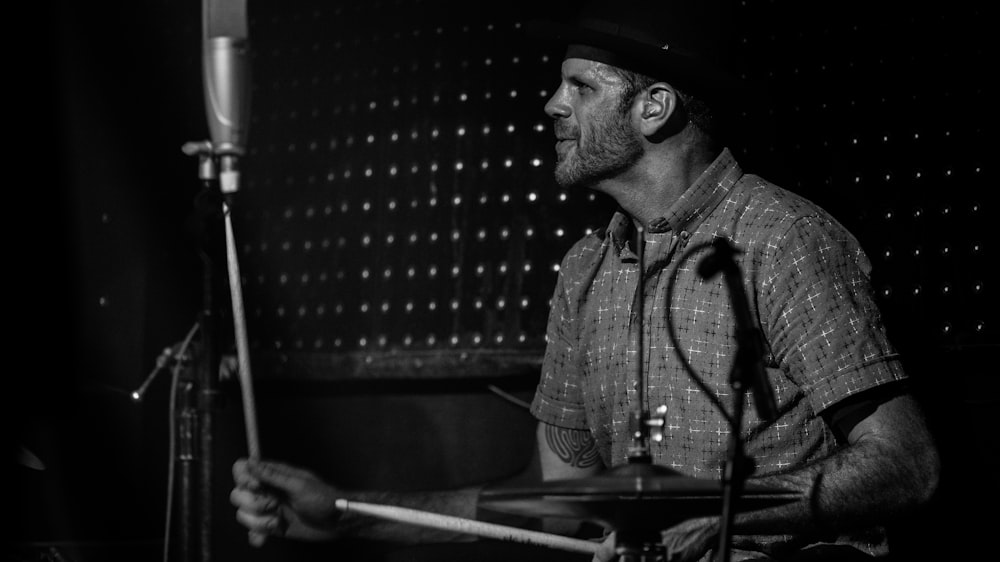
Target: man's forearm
x: 864, y: 484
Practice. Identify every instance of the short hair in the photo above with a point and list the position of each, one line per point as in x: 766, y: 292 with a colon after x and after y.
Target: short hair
x: 698, y: 111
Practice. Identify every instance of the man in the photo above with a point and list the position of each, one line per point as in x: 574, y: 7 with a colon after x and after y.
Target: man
x: 634, y: 119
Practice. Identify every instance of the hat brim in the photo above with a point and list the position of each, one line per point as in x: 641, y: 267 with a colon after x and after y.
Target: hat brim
x: 699, y: 76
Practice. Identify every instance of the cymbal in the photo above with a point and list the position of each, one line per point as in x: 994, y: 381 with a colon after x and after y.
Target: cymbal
x: 632, y: 496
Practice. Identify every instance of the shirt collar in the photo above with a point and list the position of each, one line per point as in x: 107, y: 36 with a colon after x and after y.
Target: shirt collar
x: 692, y: 207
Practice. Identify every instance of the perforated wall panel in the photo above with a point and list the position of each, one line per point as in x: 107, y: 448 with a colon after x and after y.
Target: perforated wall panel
x: 399, y: 216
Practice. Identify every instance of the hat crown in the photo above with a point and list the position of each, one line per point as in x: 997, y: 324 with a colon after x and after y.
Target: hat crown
x: 697, y: 28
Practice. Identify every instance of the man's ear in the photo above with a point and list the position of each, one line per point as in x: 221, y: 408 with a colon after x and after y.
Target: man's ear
x: 660, y: 112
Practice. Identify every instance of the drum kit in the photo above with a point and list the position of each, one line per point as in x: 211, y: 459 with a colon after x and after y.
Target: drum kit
x: 638, y: 500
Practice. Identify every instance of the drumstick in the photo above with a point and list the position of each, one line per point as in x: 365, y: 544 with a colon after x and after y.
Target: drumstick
x: 242, y: 346
x: 467, y: 526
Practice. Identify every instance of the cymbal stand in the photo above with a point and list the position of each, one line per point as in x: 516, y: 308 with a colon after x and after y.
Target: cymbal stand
x: 638, y: 453
x: 641, y: 545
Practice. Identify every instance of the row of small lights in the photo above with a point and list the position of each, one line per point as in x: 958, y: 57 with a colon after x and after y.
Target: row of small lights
x: 408, y: 340
x: 917, y: 213
x: 409, y: 307
x: 477, y: 339
x: 395, y: 136
x: 975, y: 248
x: 946, y: 289
x: 392, y: 204
x: 396, y: 103
x: 367, y: 240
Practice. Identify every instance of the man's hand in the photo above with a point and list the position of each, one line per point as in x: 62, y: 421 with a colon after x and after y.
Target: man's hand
x: 689, y: 541
x: 275, y: 499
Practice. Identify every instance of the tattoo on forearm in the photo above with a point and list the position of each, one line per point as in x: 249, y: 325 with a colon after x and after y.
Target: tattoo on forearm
x: 574, y: 447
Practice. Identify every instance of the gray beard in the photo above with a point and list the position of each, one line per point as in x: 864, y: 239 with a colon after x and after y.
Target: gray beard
x: 612, y: 148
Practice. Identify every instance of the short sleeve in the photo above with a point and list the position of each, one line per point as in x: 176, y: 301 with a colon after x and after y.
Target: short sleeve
x: 823, y: 323
x: 559, y: 397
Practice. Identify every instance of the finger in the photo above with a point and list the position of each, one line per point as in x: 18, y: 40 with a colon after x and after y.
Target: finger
x: 243, y: 477
x: 247, y: 500
x: 606, y: 551
x: 278, y: 475
x: 256, y: 539
x: 262, y: 524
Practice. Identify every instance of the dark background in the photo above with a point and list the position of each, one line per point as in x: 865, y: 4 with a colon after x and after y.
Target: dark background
x: 368, y: 158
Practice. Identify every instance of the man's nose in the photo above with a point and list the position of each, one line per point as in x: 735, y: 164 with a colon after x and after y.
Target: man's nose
x: 556, y: 107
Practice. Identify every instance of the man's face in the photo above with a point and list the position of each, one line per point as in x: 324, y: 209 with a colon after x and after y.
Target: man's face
x: 594, y: 137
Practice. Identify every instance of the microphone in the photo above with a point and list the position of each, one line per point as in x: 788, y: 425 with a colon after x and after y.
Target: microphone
x: 750, y: 353
x: 225, y: 50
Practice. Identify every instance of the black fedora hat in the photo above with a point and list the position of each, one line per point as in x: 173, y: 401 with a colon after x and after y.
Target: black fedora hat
x: 688, y: 43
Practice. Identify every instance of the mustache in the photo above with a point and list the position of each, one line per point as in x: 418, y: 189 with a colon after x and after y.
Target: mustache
x: 564, y: 130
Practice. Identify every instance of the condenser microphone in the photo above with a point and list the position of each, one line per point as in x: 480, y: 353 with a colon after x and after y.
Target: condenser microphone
x: 225, y: 65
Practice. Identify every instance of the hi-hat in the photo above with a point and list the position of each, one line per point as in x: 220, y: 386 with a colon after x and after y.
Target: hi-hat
x: 632, y: 496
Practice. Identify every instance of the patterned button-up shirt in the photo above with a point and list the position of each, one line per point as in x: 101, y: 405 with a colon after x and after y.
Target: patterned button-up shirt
x: 807, y: 283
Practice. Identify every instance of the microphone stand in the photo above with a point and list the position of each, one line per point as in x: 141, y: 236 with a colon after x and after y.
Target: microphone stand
x: 747, y: 372
x: 198, y: 389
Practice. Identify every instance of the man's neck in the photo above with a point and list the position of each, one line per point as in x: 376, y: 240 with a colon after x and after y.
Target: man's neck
x: 657, y: 180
